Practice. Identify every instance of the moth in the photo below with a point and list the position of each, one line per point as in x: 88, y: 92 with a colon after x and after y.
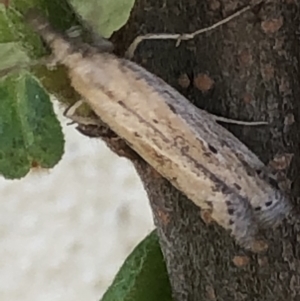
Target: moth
x: 181, y: 142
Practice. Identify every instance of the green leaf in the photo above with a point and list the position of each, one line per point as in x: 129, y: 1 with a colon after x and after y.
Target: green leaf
x: 30, y: 133
x: 143, y: 276
x: 12, y: 55
x: 105, y: 16
x: 12, y: 52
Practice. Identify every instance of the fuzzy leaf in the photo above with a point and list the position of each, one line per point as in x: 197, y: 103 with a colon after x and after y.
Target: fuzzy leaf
x: 143, y: 276
x: 30, y: 134
x: 105, y: 16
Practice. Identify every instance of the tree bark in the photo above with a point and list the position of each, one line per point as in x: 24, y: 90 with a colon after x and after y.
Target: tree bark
x: 247, y: 69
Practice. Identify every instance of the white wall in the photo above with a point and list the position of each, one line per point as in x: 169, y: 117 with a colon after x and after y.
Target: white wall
x: 64, y: 233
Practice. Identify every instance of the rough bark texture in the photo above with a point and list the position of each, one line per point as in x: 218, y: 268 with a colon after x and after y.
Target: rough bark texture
x: 247, y: 69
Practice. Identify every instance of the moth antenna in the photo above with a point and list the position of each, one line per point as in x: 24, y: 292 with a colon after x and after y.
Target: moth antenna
x: 59, y: 44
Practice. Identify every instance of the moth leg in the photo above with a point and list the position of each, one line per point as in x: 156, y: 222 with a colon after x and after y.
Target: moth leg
x: 74, y: 32
x: 236, y: 215
x: 96, y: 40
x: 70, y: 112
x: 101, y: 43
x: 51, y: 62
x: 238, y: 122
x: 95, y: 128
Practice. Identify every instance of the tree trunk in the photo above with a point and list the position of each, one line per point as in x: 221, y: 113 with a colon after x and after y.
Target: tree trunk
x: 246, y: 69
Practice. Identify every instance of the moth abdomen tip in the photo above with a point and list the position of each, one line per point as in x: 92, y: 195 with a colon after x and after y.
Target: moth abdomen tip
x: 273, y: 210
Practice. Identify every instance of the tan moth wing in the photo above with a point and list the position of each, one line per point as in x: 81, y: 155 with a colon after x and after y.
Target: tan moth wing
x: 183, y: 143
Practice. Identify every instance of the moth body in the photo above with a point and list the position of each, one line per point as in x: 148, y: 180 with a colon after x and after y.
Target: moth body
x: 183, y: 143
